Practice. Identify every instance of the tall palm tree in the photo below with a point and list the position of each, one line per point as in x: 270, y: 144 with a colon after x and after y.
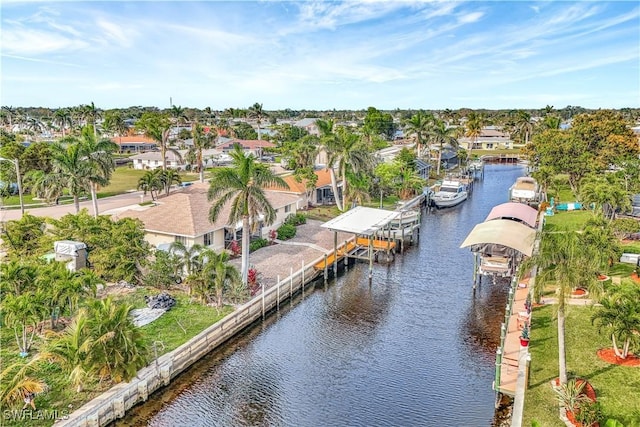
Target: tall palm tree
x: 71, y: 170
x: 178, y: 116
x: 346, y: 152
x: 213, y: 276
x: 168, y: 178
x: 201, y: 141
x: 151, y: 181
x: 442, y: 135
x: 98, y: 154
x: 158, y: 127
x: 114, y: 123
x: 523, y: 124
x: 564, y: 260
x: 418, y: 127
x: 243, y: 186
x: 256, y: 112
x: 63, y: 118
x: 473, y: 128
x: 90, y: 114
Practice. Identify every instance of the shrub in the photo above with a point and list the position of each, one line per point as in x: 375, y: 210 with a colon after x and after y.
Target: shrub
x: 257, y: 244
x: 588, y: 412
x: 296, y: 219
x: 286, y: 232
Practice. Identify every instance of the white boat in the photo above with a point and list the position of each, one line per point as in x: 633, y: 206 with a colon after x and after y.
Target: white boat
x: 450, y: 193
x: 525, y: 190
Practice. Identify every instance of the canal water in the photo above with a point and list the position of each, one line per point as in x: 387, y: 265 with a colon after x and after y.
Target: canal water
x: 414, y: 348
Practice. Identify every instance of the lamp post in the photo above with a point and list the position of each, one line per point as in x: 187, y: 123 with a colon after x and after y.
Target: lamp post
x: 17, y: 166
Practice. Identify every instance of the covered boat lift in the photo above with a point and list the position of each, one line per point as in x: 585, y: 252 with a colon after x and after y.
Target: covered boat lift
x: 500, y: 245
x: 369, y: 226
x: 515, y: 211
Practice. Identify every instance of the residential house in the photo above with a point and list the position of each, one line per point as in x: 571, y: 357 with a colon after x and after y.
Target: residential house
x: 308, y: 124
x: 251, y: 146
x: 321, y: 194
x: 184, y: 217
x: 135, y: 144
x: 153, y: 160
x: 490, y: 138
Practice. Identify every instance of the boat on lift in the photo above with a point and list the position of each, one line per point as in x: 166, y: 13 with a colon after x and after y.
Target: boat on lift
x: 451, y: 193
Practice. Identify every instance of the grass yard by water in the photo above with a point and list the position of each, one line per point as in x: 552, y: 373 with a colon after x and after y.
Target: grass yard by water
x: 616, y: 386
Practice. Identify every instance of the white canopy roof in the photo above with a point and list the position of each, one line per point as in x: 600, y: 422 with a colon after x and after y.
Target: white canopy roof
x: 503, y: 232
x: 361, y: 220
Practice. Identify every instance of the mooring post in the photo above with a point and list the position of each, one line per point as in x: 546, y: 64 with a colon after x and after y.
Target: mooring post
x: 503, y: 333
x: 346, y: 255
x: 325, y: 268
x: 496, y: 386
x: 302, y: 262
x: 370, y: 258
x: 335, y: 253
x: 475, y: 269
x: 291, y: 283
x: 278, y: 294
x: 262, y: 302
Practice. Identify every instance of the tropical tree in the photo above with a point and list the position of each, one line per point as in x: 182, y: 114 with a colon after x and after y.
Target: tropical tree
x: 473, y: 128
x: 213, y: 276
x: 63, y: 118
x: 23, y: 312
x: 19, y: 380
x: 22, y: 237
x: 186, y: 255
x: 243, y: 186
x: 606, y: 194
x: 202, y: 140
x: 346, y: 152
x: 256, y: 112
x: 157, y: 126
x: 71, y: 170
x: 178, y: 115
x: 117, y: 350
x: 98, y: 156
x: 90, y: 114
x: 566, y: 262
x: 151, y: 182
x: 114, y: 123
x: 168, y: 178
x: 438, y: 133
x: 418, y: 128
x: 523, y: 124
x: 619, y: 315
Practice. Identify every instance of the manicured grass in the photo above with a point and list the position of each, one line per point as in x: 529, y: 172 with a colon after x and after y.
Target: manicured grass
x: 571, y: 220
x: 15, y: 200
x: 126, y: 179
x: 616, y: 386
x: 322, y: 213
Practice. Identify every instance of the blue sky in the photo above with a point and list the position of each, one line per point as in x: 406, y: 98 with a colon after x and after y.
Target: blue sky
x: 321, y: 55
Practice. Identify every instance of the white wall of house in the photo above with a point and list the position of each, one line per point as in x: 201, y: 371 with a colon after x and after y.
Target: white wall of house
x: 144, y: 164
x: 281, y: 215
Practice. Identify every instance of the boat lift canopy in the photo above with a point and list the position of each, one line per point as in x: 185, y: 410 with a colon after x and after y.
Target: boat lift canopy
x: 518, y: 211
x: 503, y: 232
x: 362, y: 220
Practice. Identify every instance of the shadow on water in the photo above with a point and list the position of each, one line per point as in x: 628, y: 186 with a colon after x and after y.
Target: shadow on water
x: 414, y: 348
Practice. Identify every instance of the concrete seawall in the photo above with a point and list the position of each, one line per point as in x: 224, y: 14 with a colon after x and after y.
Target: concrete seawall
x: 114, y: 403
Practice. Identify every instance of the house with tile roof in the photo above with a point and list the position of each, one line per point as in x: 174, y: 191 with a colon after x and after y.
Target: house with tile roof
x: 153, y: 160
x: 184, y: 217
x: 135, y: 144
x: 490, y: 138
x: 256, y: 147
x: 321, y: 194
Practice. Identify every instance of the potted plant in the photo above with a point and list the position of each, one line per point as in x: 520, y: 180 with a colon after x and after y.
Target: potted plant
x: 524, y: 336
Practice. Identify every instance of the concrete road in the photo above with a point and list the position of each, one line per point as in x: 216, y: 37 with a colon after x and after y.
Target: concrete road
x: 104, y: 206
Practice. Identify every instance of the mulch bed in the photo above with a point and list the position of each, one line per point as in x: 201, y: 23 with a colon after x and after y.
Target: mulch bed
x: 609, y: 356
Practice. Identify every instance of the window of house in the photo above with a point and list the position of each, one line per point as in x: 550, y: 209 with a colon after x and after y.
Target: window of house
x: 287, y: 209
x: 181, y: 239
x: 208, y: 239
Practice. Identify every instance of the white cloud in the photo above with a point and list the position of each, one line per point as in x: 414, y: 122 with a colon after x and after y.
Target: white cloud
x: 26, y: 42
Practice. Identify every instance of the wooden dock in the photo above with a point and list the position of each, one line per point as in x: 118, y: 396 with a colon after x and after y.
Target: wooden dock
x: 333, y: 256
x: 508, y: 373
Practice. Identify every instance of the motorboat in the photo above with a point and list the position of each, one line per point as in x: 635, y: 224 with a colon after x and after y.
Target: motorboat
x: 525, y: 190
x: 450, y: 194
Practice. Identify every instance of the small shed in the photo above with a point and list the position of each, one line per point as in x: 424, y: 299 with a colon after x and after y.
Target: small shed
x: 71, y: 252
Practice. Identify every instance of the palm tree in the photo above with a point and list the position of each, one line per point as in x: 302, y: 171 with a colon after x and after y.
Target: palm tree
x: 90, y: 114
x: 117, y: 349
x: 201, y: 141
x: 168, y: 178
x: 213, y: 276
x: 442, y: 135
x: 71, y: 350
x: 606, y: 194
x: 619, y: 314
x: 346, y: 151
x: 98, y: 154
x: 62, y: 117
x: 71, y: 170
x: 473, y: 128
x: 256, y: 112
x: 564, y: 260
x: 114, y: 123
x: 158, y: 126
x: 151, y: 181
x: 178, y: 115
x: 523, y: 124
x: 23, y: 312
x: 243, y: 186
x: 19, y: 381
x: 186, y: 255
x: 418, y: 127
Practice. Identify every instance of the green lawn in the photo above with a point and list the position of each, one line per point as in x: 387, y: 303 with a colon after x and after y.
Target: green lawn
x: 126, y: 179
x: 570, y: 220
x: 617, y: 387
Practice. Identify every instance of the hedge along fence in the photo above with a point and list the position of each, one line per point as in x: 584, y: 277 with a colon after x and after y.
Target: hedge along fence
x: 114, y: 403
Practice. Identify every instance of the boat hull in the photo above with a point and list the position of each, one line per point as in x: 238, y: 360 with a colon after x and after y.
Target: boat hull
x: 449, y: 202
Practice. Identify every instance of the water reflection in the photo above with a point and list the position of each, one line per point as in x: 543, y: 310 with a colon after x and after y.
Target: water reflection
x: 416, y: 348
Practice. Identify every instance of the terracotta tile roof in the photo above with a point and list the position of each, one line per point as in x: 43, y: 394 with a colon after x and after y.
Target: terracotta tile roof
x: 186, y: 213
x: 324, y: 179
